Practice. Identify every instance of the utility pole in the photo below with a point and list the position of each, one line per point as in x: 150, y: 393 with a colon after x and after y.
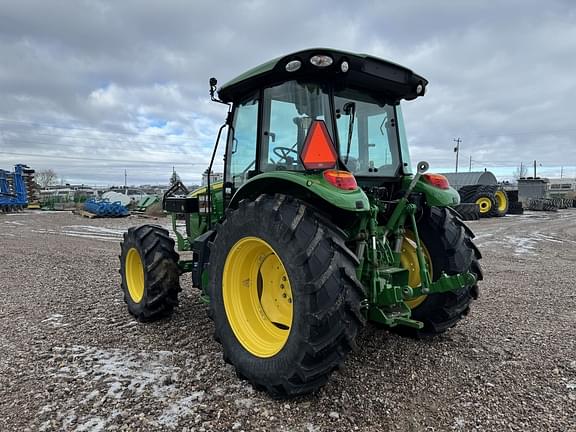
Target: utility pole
x: 534, y: 170
x: 125, y: 181
x: 457, y: 150
x: 561, y: 171
x: 470, y: 164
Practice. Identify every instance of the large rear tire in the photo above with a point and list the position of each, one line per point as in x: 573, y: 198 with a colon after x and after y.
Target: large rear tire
x: 283, y: 295
x: 501, y: 200
x: 486, y: 203
x: 150, y: 273
x: 448, y: 243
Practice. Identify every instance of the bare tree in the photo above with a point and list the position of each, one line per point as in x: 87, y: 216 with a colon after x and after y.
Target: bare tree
x: 174, y: 178
x: 46, y: 178
x: 520, y: 171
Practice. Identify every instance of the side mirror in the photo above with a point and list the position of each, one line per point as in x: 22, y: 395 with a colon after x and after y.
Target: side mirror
x: 213, y: 83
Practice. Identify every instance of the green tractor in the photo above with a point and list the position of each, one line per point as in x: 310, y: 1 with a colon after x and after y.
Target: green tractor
x: 319, y: 225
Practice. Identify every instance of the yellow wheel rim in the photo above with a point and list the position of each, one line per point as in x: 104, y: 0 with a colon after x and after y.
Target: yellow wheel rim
x: 409, y: 260
x: 134, y: 271
x: 501, y: 200
x: 257, y: 297
x: 485, y: 204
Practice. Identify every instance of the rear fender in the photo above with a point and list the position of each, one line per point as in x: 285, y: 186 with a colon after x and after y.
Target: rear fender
x: 341, y: 206
x: 435, y: 197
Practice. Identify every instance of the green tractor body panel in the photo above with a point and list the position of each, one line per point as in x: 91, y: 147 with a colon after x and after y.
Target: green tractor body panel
x: 435, y: 197
x: 372, y: 71
x: 286, y: 182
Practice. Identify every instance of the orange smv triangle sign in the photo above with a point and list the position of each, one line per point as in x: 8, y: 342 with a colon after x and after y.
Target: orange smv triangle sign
x: 318, y: 151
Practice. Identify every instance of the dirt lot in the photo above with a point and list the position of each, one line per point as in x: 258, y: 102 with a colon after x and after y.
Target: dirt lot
x: 71, y: 358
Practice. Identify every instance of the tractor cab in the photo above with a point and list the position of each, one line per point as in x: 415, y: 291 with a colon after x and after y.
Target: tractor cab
x: 319, y: 109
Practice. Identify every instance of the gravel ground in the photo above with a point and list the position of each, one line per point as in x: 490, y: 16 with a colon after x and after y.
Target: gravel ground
x: 71, y: 357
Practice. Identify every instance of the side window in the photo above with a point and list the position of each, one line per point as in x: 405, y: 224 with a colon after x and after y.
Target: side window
x: 242, y: 143
x: 379, y: 147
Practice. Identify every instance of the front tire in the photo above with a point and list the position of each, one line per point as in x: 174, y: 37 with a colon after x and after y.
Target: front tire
x: 150, y: 273
x: 283, y: 295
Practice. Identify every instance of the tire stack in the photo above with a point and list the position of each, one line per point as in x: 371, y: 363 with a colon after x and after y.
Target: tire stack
x: 514, y: 206
x: 490, y: 199
x: 501, y: 199
x: 542, y: 204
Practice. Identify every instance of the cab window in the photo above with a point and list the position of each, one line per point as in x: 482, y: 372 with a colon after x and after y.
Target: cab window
x: 242, y: 142
x: 288, y: 112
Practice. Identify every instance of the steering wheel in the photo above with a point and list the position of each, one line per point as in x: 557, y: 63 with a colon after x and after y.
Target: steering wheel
x: 283, y: 152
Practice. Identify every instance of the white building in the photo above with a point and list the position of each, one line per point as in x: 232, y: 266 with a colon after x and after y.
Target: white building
x: 214, y: 177
x: 562, y: 186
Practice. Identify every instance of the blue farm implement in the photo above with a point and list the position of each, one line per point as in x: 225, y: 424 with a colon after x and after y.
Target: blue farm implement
x: 105, y: 208
x: 16, y: 188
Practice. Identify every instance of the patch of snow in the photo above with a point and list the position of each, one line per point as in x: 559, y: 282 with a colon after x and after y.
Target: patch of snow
x: 14, y: 223
x: 522, y: 245
x: 90, y: 396
x: 93, y: 229
x: 459, y: 423
x: 55, y: 320
x: 547, y: 238
x: 95, y: 424
x: 77, y: 234
x: 120, y: 370
x: 182, y: 407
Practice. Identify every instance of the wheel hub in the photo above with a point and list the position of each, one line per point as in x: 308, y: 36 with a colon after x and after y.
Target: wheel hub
x: 409, y: 261
x: 485, y: 204
x: 257, y: 297
x: 134, y: 275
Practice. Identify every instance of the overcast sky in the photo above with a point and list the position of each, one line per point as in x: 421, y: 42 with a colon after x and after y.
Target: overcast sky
x: 91, y: 88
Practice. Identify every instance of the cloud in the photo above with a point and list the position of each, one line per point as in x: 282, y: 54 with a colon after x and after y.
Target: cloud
x: 125, y: 83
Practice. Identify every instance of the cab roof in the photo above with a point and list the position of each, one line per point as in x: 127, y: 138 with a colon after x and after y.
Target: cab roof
x: 381, y: 77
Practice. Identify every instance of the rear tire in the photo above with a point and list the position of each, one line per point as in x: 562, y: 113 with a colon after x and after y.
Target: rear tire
x: 502, y: 202
x: 326, y: 296
x: 449, y: 244
x: 468, y: 211
x: 150, y: 273
x: 486, y: 203
x: 468, y: 192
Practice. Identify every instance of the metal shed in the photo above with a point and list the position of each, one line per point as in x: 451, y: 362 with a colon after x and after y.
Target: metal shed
x: 457, y: 180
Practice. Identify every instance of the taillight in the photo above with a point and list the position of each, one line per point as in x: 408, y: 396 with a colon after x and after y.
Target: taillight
x: 341, y: 179
x: 436, y: 180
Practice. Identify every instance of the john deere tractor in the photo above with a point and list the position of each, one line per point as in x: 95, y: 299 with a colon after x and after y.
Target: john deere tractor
x: 319, y: 225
